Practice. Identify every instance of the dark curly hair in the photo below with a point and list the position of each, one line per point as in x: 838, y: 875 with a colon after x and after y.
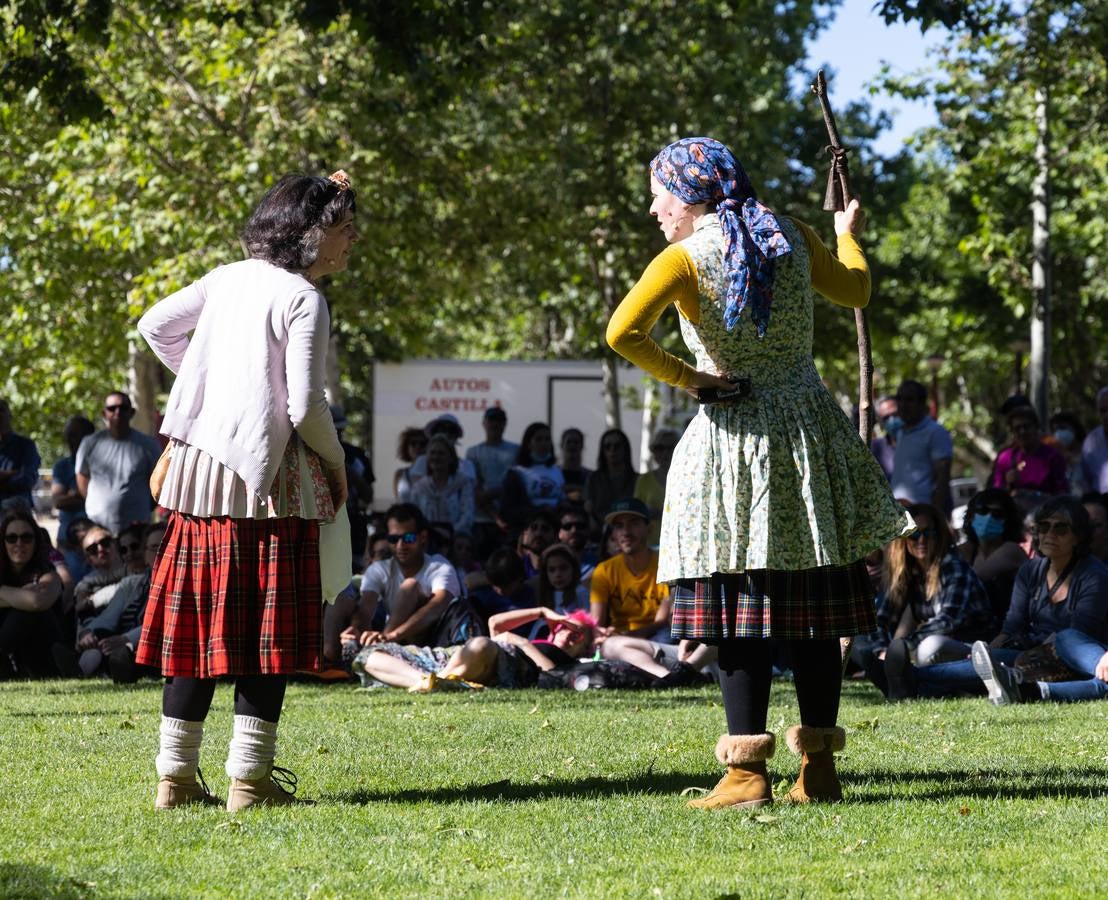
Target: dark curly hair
x: 288, y: 224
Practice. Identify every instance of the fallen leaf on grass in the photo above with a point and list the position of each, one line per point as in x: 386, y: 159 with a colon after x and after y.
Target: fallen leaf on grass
x: 964, y: 810
x: 545, y: 723
x: 765, y: 819
x: 693, y: 790
x: 532, y: 710
x: 857, y: 845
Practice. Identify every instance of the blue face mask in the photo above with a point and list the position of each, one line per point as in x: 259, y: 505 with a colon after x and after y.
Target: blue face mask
x: 893, y: 424
x: 1065, y: 437
x: 987, y: 527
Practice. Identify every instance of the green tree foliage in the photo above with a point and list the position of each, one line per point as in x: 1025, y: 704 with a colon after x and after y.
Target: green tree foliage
x: 961, y: 246
x: 499, y: 151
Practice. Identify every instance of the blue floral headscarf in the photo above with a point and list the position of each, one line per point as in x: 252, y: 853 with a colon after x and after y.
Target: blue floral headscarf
x: 702, y: 170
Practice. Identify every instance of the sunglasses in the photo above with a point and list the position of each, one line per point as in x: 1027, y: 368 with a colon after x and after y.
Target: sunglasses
x: 1061, y: 529
x: 116, y: 407
x: 408, y: 537
x: 101, y: 546
x: 15, y: 537
x: 924, y: 533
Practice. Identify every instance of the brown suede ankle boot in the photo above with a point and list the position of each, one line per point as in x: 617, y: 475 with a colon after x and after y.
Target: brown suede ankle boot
x: 182, y: 790
x: 269, y: 790
x: 817, y: 781
x: 746, y: 784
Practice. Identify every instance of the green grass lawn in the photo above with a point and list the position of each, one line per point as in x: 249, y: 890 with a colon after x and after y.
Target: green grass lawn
x: 544, y: 794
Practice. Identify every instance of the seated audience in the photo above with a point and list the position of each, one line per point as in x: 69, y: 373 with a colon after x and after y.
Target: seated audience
x: 1030, y: 469
x: 131, y: 549
x: 539, y: 534
x: 108, y: 640
x: 557, y: 585
x: 624, y: 594
x: 573, y: 531
x: 503, y: 585
x: 650, y: 487
x: 67, y: 500
x: 1071, y: 587
x: 30, y: 591
x: 674, y: 665
x: 445, y: 494
x: 1096, y: 505
x: 1094, y: 449
x: 1066, y: 587
x: 533, y: 483
x: 106, y: 569
x: 574, y: 473
x: 933, y: 605
x: 409, y: 447
x: 414, y: 587
x: 1068, y: 434
x: 614, y: 478
x: 492, y: 459
x: 19, y: 462
x: 994, y: 528
x: 449, y: 428
x: 504, y: 659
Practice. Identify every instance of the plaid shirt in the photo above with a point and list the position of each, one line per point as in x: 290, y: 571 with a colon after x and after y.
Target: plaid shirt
x: 960, y: 609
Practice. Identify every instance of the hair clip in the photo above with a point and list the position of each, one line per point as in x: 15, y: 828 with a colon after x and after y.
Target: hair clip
x: 341, y: 179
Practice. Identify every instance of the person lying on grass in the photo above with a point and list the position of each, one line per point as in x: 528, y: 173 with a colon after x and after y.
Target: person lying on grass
x: 504, y: 659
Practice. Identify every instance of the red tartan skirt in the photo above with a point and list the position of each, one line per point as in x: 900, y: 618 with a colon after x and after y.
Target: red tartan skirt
x: 234, y: 597
x: 824, y: 602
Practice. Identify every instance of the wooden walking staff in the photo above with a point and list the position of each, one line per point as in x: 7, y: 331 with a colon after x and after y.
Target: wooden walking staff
x: 836, y: 198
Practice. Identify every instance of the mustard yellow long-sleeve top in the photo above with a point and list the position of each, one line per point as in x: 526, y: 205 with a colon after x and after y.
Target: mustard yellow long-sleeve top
x: 671, y: 278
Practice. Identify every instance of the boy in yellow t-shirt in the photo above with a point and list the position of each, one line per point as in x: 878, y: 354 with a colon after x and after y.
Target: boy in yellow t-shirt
x: 624, y: 593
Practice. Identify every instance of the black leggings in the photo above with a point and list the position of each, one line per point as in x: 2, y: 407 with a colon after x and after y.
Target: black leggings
x: 258, y: 696
x: 745, y: 671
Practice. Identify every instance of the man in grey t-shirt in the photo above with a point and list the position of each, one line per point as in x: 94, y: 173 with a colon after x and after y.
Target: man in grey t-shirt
x: 113, y: 468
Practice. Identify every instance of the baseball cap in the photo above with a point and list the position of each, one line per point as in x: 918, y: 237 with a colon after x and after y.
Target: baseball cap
x: 627, y: 506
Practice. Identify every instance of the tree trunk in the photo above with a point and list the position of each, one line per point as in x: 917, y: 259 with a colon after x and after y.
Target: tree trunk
x: 1040, y: 265
x: 144, y: 384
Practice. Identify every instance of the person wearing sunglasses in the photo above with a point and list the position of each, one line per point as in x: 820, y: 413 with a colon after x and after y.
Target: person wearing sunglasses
x: 113, y: 468
x: 933, y: 605
x: 993, y: 528
x: 1058, y: 618
x: 106, y: 569
x: 1064, y: 588
x: 414, y: 589
x: 30, y: 591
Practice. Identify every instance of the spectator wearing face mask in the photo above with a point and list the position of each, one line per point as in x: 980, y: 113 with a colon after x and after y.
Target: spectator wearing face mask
x: 1067, y: 435
x: 884, y: 446
x: 994, y: 528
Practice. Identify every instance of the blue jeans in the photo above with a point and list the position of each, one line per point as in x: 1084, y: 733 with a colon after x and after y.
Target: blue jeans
x: 1081, y: 653
x: 954, y: 679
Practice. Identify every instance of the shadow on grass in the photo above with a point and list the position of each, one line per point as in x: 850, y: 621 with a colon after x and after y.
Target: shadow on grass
x: 944, y: 784
x: 989, y: 784
x: 507, y: 791
x: 19, y: 880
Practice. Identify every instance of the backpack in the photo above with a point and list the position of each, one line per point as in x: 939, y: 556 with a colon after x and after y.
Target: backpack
x: 599, y: 673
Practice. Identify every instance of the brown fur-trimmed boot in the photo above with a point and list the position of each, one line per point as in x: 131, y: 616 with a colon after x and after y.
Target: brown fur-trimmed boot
x: 746, y: 784
x: 817, y: 781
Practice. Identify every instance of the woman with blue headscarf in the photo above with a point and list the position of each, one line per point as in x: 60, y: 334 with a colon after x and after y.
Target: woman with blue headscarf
x: 772, y: 501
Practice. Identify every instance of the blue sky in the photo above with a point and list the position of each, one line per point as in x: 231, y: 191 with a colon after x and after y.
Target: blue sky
x: 855, y: 45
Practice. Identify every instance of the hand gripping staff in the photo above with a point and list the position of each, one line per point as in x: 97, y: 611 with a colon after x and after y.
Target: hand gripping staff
x: 836, y: 198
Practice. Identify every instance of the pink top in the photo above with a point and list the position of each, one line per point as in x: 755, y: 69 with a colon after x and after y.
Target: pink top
x: 1043, y: 469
